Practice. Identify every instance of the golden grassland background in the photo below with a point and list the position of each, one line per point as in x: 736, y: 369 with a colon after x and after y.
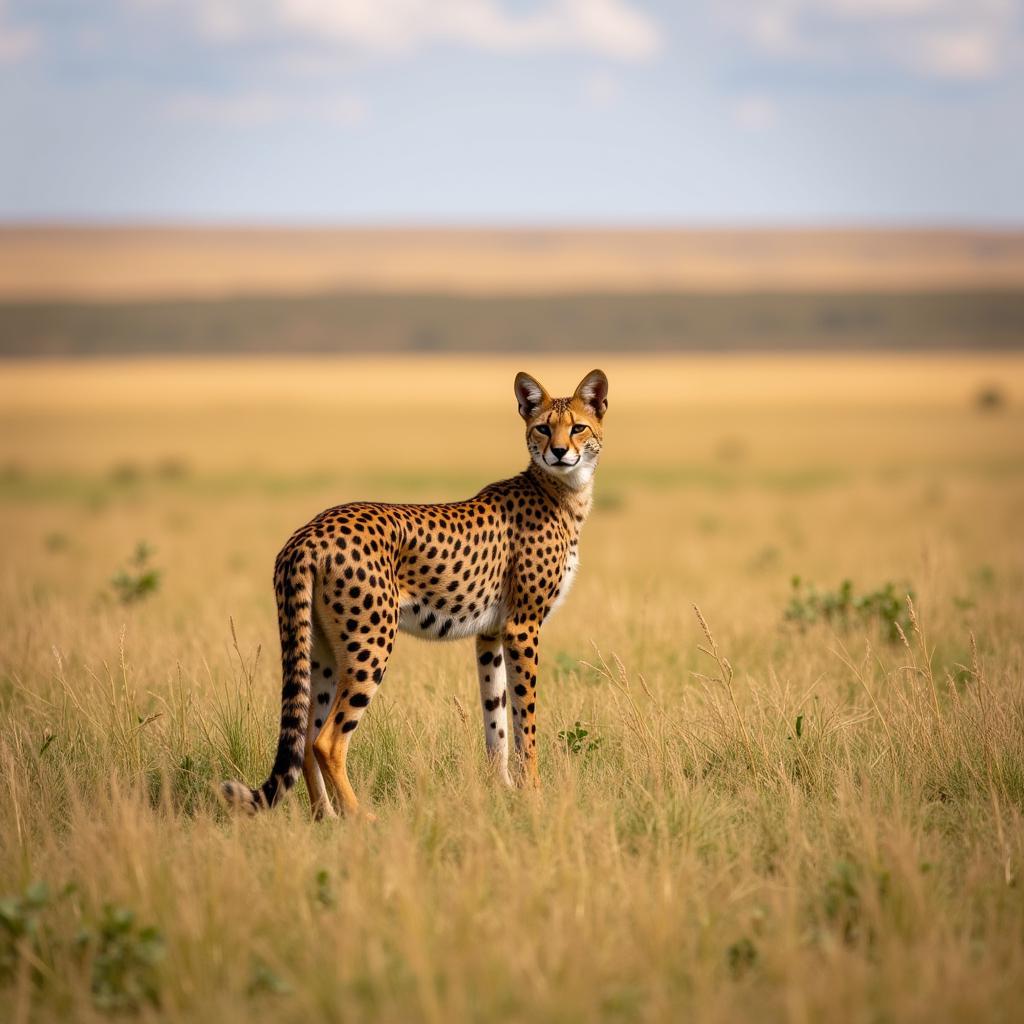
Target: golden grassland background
x: 127, y: 291
x: 103, y: 262
x: 833, y: 832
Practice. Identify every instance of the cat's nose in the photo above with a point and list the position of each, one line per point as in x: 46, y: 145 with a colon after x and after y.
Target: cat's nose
x: 558, y: 452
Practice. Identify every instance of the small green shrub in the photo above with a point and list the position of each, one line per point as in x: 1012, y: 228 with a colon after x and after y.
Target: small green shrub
x: 990, y: 398
x: 126, y: 473
x: 121, y: 957
x: 124, y: 960
x: 741, y: 956
x: 324, y: 891
x: 24, y: 933
x: 56, y: 541
x: 140, y: 579
x: 576, y: 741
x: 20, y: 928
x: 265, y: 981
x: 886, y: 605
x: 842, y: 902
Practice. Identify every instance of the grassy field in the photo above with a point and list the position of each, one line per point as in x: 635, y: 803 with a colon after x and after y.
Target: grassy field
x: 137, y: 262
x: 821, y: 823
x: 123, y: 291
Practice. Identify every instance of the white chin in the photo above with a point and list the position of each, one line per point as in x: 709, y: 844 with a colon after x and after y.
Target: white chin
x: 575, y: 476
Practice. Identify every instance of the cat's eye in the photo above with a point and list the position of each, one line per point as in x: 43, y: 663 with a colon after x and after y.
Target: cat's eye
x: 578, y: 428
x: 544, y: 429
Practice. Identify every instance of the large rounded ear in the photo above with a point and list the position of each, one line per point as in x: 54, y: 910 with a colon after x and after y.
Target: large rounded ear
x: 593, y: 392
x: 530, y: 395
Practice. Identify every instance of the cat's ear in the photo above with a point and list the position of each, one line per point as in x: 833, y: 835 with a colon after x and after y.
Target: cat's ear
x: 530, y: 395
x: 593, y: 392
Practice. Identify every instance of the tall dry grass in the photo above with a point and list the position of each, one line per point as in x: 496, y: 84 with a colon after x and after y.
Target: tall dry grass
x: 788, y: 825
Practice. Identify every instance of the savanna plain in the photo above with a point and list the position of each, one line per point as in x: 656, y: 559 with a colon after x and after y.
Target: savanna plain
x: 803, y: 804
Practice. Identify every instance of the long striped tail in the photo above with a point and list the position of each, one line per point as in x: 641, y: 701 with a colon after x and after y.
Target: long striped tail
x: 293, y: 583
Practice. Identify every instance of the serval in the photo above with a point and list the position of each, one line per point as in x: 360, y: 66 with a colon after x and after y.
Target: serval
x: 493, y: 567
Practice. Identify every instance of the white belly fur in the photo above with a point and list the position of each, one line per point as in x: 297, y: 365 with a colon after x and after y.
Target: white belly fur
x: 571, y: 565
x: 486, y: 620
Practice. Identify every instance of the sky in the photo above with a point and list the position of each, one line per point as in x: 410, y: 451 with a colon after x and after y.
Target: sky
x: 639, y: 112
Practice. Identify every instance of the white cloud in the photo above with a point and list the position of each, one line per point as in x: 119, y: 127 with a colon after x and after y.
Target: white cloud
x: 963, y: 54
x: 318, y: 38
x: 611, y: 28
x: 16, y: 41
x: 259, y: 108
x: 938, y: 38
x: 772, y: 29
